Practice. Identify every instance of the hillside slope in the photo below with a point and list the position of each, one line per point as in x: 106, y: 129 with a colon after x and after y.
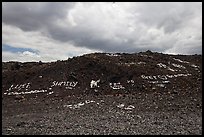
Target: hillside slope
x: 102, y: 73
x: 102, y: 93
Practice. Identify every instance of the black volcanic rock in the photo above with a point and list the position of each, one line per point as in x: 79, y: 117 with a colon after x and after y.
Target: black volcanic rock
x: 129, y: 73
x: 104, y: 93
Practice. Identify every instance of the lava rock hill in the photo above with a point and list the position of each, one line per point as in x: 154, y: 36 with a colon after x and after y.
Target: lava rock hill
x: 104, y: 73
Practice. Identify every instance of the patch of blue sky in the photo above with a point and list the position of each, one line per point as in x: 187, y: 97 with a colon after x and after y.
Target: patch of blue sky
x: 16, y: 50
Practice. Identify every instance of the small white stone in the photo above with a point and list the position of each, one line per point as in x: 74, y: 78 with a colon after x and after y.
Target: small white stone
x: 130, y: 107
x: 139, y: 116
x: 121, y: 105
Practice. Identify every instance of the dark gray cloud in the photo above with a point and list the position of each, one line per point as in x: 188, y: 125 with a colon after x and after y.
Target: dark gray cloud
x: 33, y: 15
x: 118, y: 27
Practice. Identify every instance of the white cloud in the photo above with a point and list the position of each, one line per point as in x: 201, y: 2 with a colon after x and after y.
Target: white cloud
x: 49, y: 49
x: 58, y: 30
x: 28, y: 53
x: 23, y: 57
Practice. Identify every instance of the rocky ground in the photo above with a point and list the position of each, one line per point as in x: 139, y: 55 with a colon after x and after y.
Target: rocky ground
x: 143, y: 93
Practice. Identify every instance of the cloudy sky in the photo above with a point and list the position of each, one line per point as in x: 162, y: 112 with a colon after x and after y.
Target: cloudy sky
x: 56, y: 31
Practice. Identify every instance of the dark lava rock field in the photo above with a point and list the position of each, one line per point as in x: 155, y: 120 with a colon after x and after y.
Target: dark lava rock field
x: 144, y: 93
